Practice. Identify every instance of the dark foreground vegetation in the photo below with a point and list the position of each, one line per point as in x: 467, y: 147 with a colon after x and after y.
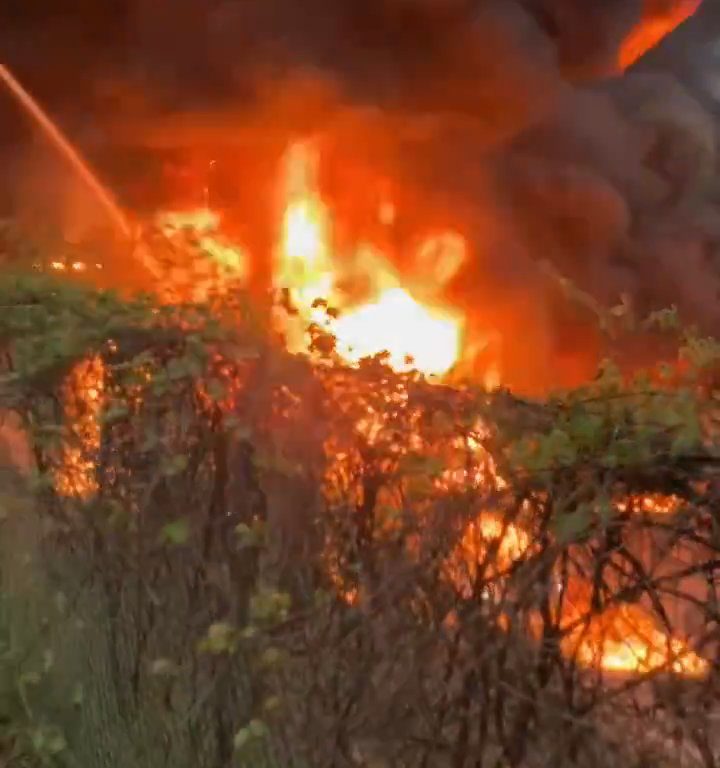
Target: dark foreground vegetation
x: 227, y: 556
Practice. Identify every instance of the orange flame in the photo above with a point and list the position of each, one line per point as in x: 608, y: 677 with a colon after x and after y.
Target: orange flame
x: 390, y: 320
x: 75, y: 475
x: 659, y: 19
x: 489, y: 533
x: 623, y: 638
x: 204, y: 225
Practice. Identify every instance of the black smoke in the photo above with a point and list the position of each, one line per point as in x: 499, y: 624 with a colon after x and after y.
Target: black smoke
x: 505, y: 118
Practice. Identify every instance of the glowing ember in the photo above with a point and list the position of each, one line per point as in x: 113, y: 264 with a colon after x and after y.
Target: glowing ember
x: 75, y: 476
x: 659, y: 19
x: 651, y: 504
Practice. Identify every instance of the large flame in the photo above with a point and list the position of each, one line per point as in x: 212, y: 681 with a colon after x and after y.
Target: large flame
x: 389, y: 319
x: 380, y: 313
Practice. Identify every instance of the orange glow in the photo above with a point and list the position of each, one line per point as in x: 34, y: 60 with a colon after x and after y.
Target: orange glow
x: 204, y: 226
x: 623, y: 638
x: 75, y: 476
x: 390, y: 319
x: 402, y: 316
x: 303, y: 264
x: 414, y: 336
x: 659, y: 19
x: 480, y: 538
x: 652, y: 504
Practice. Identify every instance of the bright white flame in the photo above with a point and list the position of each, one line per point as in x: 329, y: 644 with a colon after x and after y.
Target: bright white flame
x: 414, y: 336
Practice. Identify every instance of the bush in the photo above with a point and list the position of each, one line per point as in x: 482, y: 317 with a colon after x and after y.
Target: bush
x: 284, y: 563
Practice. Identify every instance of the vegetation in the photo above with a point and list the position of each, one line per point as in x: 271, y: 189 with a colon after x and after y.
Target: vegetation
x: 225, y: 555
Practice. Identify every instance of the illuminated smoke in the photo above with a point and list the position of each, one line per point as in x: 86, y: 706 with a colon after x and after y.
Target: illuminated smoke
x: 499, y: 119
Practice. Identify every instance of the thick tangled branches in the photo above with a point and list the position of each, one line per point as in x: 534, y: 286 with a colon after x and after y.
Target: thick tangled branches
x: 324, y: 566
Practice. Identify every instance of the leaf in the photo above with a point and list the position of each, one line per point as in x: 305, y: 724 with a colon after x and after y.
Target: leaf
x: 220, y: 638
x: 178, y: 369
x: 78, y: 695
x: 258, y: 729
x: 587, y: 430
x: 117, y: 412
x: 272, y: 703
x: 177, y: 532
x: 174, y: 465
x: 163, y: 668
x: 664, y: 319
x: 573, y: 525
x: 242, y: 739
x: 686, y: 440
x: 557, y: 448
x: 55, y: 743
x: 270, y: 657
x: 250, y: 536
x: 418, y: 464
x: 216, y: 389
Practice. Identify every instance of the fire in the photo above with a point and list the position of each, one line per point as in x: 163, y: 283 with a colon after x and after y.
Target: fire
x: 204, y: 225
x: 659, y: 19
x: 382, y: 313
x: 651, y: 504
x: 75, y: 475
x: 303, y: 265
x: 507, y: 541
x: 623, y: 638
x: 390, y: 319
x: 414, y: 336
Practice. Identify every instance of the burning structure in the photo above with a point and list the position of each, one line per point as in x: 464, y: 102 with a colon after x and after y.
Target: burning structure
x: 409, y: 178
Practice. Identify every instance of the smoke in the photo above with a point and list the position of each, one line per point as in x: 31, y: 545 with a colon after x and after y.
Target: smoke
x: 507, y: 119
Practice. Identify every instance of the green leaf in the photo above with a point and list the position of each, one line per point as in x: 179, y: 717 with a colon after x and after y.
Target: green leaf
x: 177, y: 532
x: 216, y: 389
x: 178, y: 369
x: 573, y: 525
x: 117, y: 412
x: 174, y: 465
x: 220, y: 638
x: 587, y: 430
x: 418, y: 464
x: 686, y: 440
x: 163, y: 668
x: 78, y: 695
x: 271, y: 704
x: 270, y: 657
x: 258, y: 729
x: 242, y: 739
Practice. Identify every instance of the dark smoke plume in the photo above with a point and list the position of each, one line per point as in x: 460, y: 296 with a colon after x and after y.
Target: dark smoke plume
x: 508, y: 119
